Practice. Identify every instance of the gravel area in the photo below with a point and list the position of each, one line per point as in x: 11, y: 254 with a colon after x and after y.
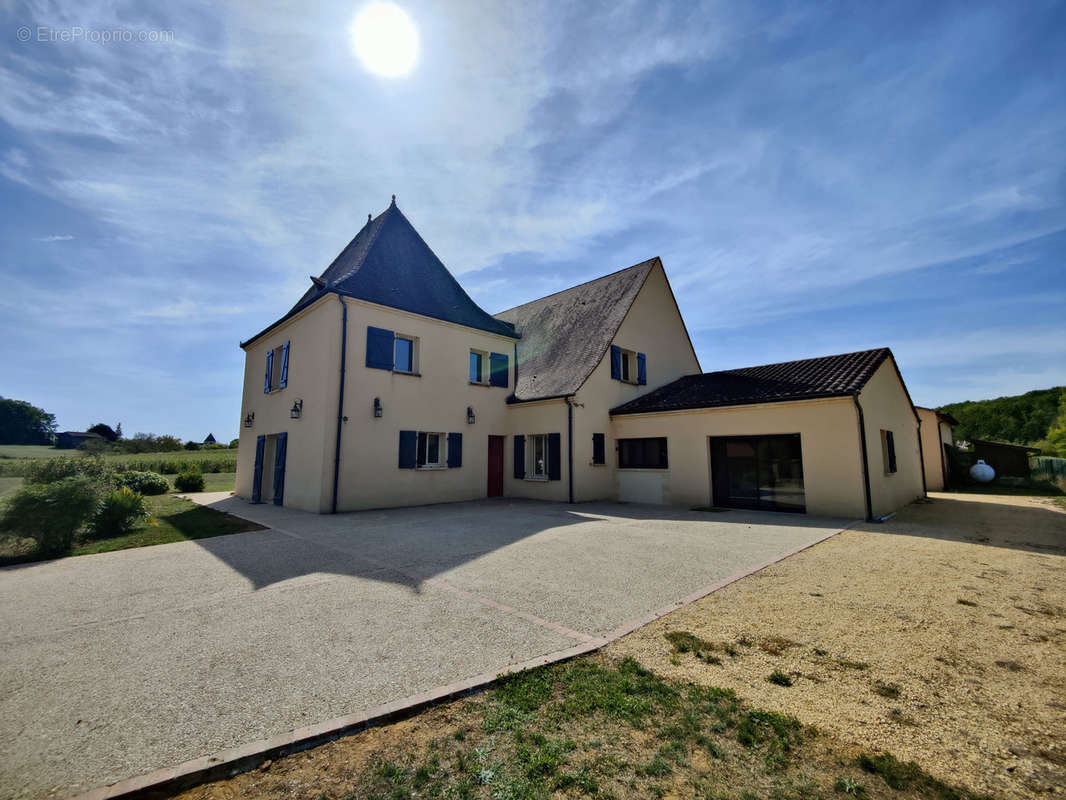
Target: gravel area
x: 119, y: 663
x: 939, y: 636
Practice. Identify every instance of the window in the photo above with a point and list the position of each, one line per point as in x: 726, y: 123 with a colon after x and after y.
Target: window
x: 888, y: 451
x: 477, y: 367
x: 404, y: 358
x: 537, y: 457
x: 277, y: 369
x: 599, y: 454
x: 430, y: 450
x: 642, y: 453
x: 628, y: 366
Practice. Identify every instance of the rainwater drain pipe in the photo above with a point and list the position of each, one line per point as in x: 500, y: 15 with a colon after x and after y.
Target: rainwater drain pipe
x: 340, y: 404
x: 865, y: 459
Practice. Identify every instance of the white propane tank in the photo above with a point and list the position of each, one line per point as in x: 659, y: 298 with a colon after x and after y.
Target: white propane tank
x: 982, y: 472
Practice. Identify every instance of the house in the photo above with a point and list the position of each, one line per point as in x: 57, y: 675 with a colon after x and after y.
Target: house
x: 210, y: 439
x: 936, y: 435
x: 71, y: 440
x: 386, y: 385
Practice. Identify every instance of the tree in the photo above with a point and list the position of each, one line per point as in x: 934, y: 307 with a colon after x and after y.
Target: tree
x: 105, y: 431
x: 1056, y: 434
x: 118, y: 431
x: 22, y: 423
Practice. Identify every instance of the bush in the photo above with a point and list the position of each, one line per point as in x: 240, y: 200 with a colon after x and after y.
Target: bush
x: 50, y: 470
x: 51, y: 513
x: 189, y: 482
x: 144, y: 482
x: 119, y: 513
x: 191, y: 445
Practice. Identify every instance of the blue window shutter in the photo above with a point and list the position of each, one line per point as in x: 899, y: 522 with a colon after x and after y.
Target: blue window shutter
x: 279, y: 467
x: 616, y: 362
x: 642, y: 369
x: 498, y: 369
x: 284, y: 366
x: 269, y: 372
x: 257, y: 471
x: 408, y: 444
x: 455, y: 449
x: 520, y: 456
x: 599, y: 449
x: 379, y: 344
x: 555, y: 467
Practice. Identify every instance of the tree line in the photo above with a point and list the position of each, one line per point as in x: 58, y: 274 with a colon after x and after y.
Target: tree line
x: 1036, y: 418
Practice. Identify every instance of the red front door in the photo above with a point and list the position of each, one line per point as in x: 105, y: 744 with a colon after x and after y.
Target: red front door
x: 495, y: 488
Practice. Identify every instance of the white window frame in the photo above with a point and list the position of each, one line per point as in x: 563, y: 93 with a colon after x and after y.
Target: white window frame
x: 414, y: 354
x: 275, y: 368
x: 531, y: 458
x: 483, y: 378
x: 628, y: 361
x: 442, y: 450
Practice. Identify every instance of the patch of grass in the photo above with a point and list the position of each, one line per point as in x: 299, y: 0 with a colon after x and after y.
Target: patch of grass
x: 685, y: 642
x: 775, y: 645
x: 1011, y: 666
x: 897, y: 716
x: 964, y: 602
x: 779, y: 678
x: 889, y: 690
x: 904, y: 776
x: 850, y: 787
x: 8, y: 486
x: 33, y: 451
x: 1030, y: 489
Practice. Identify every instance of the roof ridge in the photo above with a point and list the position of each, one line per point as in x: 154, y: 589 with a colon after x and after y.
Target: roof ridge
x: 737, y: 370
x: 373, y: 238
x: 577, y: 286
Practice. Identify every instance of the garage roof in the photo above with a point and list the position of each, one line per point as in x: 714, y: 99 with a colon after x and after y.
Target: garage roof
x: 808, y: 379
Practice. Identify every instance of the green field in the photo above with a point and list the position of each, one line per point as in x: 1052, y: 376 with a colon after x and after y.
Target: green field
x: 15, y: 458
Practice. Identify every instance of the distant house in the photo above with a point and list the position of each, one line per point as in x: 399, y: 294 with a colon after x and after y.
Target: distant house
x: 1008, y: 460
x: 71, y: 440
x: 936, y: 435
x: 210, y: 439
x: 387, y: 385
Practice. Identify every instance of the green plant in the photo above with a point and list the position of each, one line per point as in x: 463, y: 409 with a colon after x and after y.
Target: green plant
x: 144, y: 482
x: 50, y: 470
x: 189, y: 482
x: 52, y: 513
x: 119, y: 513
x: 779, y: 678
x: 849, y: 786
x: 963, y: 602
x: 685, y: 642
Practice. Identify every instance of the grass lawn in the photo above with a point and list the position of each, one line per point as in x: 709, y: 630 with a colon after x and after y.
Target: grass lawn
x: 32, y: 451
x: 9, y: 485
x: 1030, y: 489
x: 593, y: 727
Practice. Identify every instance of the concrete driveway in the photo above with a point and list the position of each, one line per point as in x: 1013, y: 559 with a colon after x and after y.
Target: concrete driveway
x: 117, y: 664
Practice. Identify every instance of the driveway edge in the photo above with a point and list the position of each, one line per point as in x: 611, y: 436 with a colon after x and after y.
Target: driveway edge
x: 168, y: 781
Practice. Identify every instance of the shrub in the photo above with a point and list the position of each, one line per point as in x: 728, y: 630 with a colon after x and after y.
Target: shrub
x: 51, y: 513
x: 50, y: 470
x: 189, y: 482
x: 144, y: 482
x: 119, y: 513
x: 190, y: 445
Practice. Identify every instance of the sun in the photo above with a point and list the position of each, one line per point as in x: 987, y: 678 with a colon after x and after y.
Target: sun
x: 385, y: 39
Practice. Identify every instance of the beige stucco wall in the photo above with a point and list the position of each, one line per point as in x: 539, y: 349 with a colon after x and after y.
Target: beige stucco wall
x: 886, y: 406
x: 314, y: 336
x: 434, y: 402
x: 829, y: 438
x: 548, y: 416
x: 932, y: 449
x: 652, y: 326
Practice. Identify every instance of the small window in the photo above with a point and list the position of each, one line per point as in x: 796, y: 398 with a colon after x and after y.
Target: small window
x: 642, y: 453
x: 888, y: 451
x: 626, y: 357
x: 537, y: 456
x: 277, y: 368
x: 404, y: 358
x: 478, y: 361
x: 599, y: 448
x: 430, y: 452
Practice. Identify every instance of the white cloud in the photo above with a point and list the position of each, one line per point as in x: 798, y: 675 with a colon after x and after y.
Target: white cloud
x: 56, y: 237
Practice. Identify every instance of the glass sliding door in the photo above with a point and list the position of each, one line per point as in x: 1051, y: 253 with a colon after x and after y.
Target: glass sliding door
x: 760, y: 472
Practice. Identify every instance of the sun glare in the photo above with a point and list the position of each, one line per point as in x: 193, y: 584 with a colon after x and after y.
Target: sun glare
x: 385, y: 39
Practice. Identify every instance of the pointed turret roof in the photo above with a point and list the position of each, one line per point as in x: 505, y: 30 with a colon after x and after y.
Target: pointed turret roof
x: 390, y: 264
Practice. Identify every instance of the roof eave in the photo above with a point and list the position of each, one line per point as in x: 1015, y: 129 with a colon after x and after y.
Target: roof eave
x: 619, y: 411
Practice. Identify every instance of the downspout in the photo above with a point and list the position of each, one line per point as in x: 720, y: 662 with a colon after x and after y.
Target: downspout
x: 943, y: 465
x: 865, y: 459
x: 340, y: 404
x: 921, y: 457
x: 570, y: 446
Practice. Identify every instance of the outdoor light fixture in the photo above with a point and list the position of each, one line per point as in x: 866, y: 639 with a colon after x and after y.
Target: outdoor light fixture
x: 297, y: 409
x: 377, y: 406
x: 470, y: 415
x: 249, y: 419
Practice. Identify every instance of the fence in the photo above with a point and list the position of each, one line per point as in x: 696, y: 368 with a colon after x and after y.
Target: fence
x: 1051, y: 469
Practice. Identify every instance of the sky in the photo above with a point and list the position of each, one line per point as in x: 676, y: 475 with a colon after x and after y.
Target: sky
x: 817, y: 178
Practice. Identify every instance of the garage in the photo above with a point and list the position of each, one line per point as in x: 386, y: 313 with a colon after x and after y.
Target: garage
x: 763, y: 473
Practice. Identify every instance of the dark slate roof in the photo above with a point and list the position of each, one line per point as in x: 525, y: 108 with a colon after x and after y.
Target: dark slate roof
x: 811, y: 378
x: 389, y: 263
x: 564, y: 335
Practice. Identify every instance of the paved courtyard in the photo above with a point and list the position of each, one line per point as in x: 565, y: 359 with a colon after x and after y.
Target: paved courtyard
x: 120, y: 663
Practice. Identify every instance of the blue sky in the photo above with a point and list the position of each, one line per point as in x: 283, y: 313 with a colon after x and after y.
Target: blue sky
x: 817, y: 178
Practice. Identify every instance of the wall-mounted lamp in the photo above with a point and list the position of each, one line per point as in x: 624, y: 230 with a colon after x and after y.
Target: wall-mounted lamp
x: 377, y: 407
x: 470, y: 415
x: 249, y: 419
x: 297, y: 409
